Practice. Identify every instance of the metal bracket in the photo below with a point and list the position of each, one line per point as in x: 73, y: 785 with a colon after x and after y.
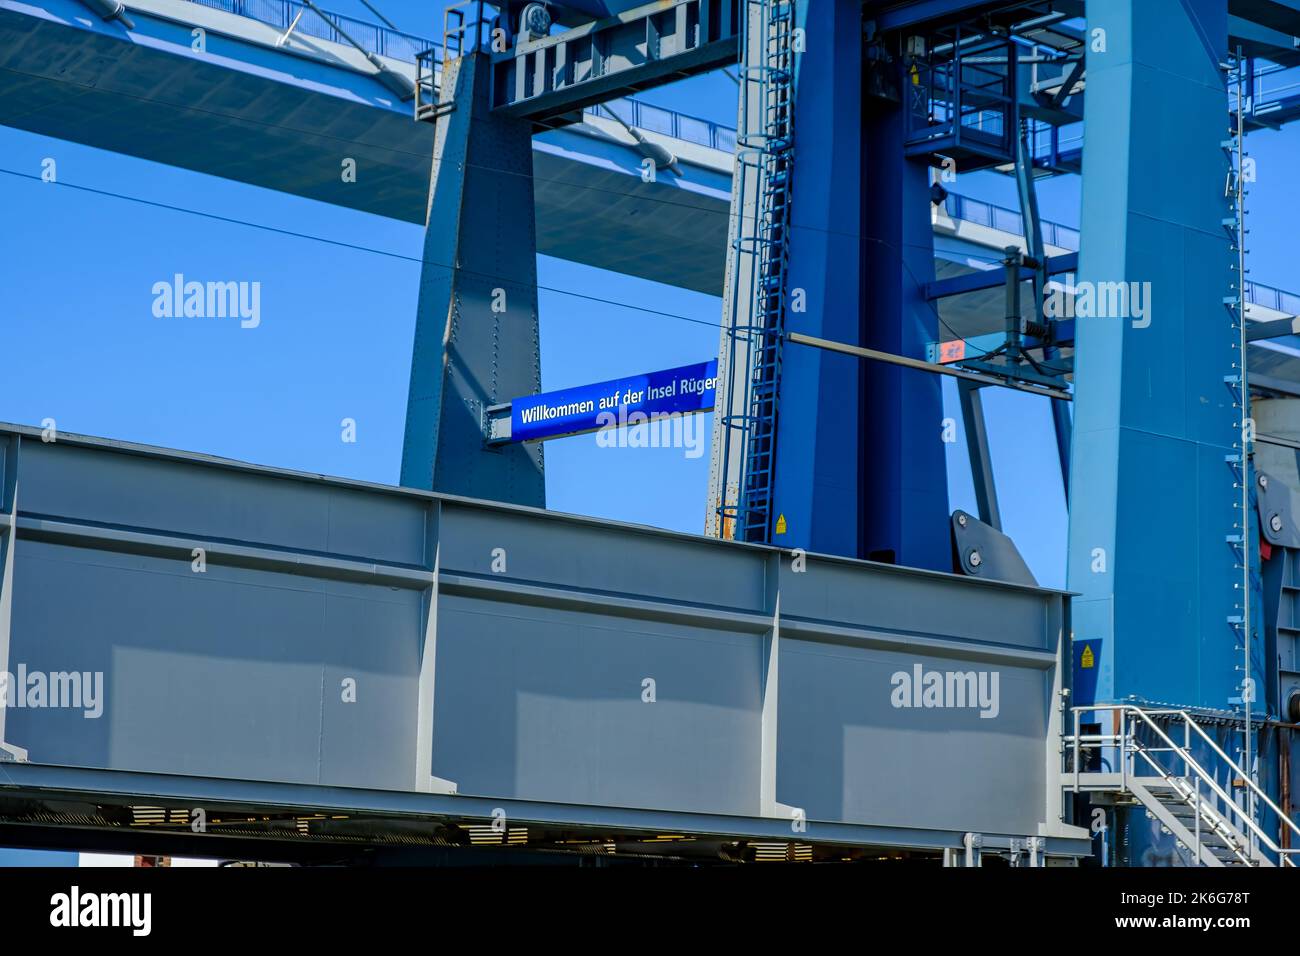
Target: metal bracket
x: 1273, y: 503
x: 983, y: 551
x: 496, y: 424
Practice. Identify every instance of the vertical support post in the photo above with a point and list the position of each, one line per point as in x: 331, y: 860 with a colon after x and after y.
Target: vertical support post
x: 903, y: 514
x: 1015, y: 338
x: 1055, y: 804
x: 1064, y: 428
x: 1035, y: 847
x: 817, y: 480
x: 8, y: 547
x: 1061, y: 423
x: 476, y: 335
x: 1198, y: 818
x: 1153, y: 420
x: 769, y: 806
x: 771, y: 687
x: 1077, y: 754
x: 981, y: 458
x: 425, y: 781
x: 1123, y: 750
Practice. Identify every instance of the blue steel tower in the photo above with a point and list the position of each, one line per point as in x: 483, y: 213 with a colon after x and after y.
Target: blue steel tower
x: 836, y: 448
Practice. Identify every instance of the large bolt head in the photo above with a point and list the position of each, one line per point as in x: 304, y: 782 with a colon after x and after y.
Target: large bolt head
x: 974, y: 559
x: 1275, y: 522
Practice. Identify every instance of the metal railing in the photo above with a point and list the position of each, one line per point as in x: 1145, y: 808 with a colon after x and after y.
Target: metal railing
x: 1194, y: 776
x: 285, y: 13
x: 1272, y: 298
x: 1007, y: 220
x: 1269, y: 87
x: 656, y: 119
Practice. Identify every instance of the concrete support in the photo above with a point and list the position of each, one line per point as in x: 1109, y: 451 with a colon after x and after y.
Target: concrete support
x: 1152, y: 497
x: 476, y: 328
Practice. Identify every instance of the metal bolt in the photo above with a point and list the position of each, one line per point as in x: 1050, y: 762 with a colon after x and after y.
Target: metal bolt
x: 961, y: 520
x: 1275, y: 522
x: 974, y: 559
x: 1263, y: 481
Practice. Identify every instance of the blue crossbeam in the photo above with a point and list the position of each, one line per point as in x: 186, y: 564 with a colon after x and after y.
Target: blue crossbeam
x: 993, y: 278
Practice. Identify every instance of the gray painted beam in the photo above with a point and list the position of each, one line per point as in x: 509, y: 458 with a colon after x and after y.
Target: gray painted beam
x: 498, y: 655
x: 637, y: 49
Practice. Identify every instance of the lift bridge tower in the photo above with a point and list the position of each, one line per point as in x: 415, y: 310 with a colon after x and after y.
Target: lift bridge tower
x: 837, y: 330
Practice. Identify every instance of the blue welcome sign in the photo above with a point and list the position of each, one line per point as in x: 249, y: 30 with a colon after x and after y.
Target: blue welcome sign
x: 620, y: 401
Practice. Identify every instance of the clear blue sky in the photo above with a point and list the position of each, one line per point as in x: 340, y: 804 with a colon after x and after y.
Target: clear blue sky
x: 83, y: 347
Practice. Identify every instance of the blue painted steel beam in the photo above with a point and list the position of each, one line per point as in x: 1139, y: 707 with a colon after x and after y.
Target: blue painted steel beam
x: 1152, y: 497
x: 993, y: 278
x: 648, y: 46
x: 1283, y: 15
x: 817, y: 487
x: 904, y: 511
x: 892, y: 16
x: 979, y: 344
x: 859, y: 463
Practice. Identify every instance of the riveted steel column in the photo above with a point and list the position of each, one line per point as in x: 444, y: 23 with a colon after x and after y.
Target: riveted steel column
x: 476, y: 326
x: 1151, y: 495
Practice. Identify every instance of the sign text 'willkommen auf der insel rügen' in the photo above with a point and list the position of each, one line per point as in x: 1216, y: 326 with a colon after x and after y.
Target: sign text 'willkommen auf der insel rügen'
x: 614, y: 404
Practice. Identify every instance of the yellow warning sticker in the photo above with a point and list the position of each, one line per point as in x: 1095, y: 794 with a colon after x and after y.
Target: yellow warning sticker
x: 1086, y: 659
x: 780, y: 524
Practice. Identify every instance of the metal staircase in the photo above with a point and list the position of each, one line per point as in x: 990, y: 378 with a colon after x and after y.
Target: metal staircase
x: 1186, y: 786
x: 755, y: 345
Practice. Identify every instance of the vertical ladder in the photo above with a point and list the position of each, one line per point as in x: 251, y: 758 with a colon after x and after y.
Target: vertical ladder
x: 1241, y: 622
x: 765, y: 243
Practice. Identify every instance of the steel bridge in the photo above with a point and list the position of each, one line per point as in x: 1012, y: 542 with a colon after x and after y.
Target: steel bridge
x: 297, y: 667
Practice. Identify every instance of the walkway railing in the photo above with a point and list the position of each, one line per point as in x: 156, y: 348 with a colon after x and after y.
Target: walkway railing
x: 1272, y: 298
x: 1160, y: 724
x: 283, y: 13
x: 1007, y: 220
x: 656, y: 119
